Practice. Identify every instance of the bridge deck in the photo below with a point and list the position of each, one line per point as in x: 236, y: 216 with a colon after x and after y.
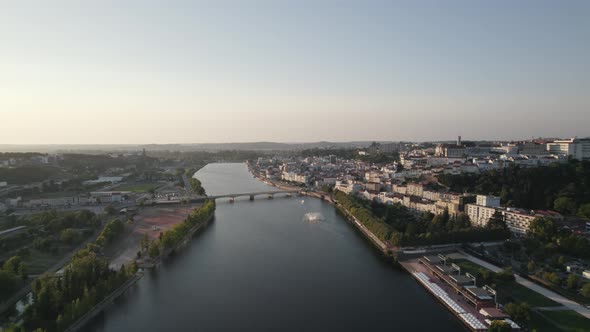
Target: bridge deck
x: 270, y: 192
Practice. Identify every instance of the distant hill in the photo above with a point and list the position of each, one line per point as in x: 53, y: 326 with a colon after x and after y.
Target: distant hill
x: 252, y: 146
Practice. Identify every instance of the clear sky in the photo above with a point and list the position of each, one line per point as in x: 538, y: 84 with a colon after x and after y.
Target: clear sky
x: 292, y: 71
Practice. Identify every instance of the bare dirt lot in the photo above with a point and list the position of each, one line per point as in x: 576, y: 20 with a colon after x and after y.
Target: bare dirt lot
x: 151, y: 221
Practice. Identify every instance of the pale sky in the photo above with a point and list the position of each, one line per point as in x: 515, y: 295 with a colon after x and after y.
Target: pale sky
x: 138, y: 72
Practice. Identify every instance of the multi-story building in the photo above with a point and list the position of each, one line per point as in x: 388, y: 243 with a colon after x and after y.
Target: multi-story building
x: 451, y: 207
x: 518, y: 221
x: 450, y: 151
x: 415, y: 189
x: 431, y: 195
x: 350, y: 188
x: 374, y: 186
x: 295, y: 177
x: 400, y: 189
x: 532, y: 148
x: 479, y: 215
x: 488, y: 201
x: 578, y: 148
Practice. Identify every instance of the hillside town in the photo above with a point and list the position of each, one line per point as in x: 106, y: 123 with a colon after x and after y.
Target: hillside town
x: 412, y: 181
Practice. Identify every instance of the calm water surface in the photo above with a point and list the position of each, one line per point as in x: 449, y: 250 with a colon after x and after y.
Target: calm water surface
x: 260, y: 267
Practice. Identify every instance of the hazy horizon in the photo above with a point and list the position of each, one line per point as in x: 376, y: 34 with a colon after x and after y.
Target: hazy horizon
x: 184, y: 72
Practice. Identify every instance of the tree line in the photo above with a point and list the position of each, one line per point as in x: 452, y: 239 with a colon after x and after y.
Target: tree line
x: 174, y: 236
x: 197, y: 186
x: 564, y: 187
x: 395, y: 224
x: 59, y: 299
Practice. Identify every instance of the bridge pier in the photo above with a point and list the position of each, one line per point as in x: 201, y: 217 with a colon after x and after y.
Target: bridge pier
x: 251, y: 197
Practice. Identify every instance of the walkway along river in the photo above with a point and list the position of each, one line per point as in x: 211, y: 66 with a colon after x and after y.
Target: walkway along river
x: 260, y: 267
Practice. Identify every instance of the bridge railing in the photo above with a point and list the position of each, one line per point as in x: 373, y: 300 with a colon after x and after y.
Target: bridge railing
x: 254, y: 193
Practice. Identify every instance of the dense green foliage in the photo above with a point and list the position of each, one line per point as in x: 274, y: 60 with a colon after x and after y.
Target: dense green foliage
x: 499, y: 326
x: 397, y: 225
x: 60, y: 301
x: 197, y: 187
x: 111, y: 231
x: 44, y: 230
x: 564, y: 187
x: 50, y: 232
x: 546, y: 240
x: 12, y: 275
x: 176, y: 234
x: 376, y: 225
x: 28, y: 174
x: 520, y: 312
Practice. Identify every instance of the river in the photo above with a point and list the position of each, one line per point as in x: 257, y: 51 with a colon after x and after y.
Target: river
x: 261, y: 266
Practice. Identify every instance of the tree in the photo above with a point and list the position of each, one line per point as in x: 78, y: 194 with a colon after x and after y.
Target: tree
x: 145, y: 242
x: 542, y: 229
x: 552, y: 277
x: 572, y: 281
x: 68, y: 236
x: 531, y: 266
x: 520, y: 312
x: 462, y: 221
x: 499, y: 326
x: 505, y: 275
x: 565, y: 205
x: 154, y: 249
x: 586, y: 289
x: 584, y: 210
x: 496, y: 221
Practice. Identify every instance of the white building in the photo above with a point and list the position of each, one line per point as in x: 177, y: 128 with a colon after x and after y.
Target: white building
x: 578, y: 148
x: 295, y: 177
x: 479, y: 215
x: 517, y: 221
x: 487, y: 201
x: 348, y: 188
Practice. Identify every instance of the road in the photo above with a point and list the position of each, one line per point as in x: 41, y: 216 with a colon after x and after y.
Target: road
x: 534, y: 287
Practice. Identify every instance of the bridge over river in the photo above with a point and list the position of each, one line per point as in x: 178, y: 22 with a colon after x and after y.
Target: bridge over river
x: 252, y: 195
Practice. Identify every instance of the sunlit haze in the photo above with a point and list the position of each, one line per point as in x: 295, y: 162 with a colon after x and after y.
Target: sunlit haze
x: 107, y: 72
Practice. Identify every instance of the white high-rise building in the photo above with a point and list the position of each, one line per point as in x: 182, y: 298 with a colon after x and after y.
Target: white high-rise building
x: 578, y: 148
x: 488, y: 201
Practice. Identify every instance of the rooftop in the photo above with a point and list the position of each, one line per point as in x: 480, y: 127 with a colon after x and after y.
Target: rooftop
x: 480, y: 293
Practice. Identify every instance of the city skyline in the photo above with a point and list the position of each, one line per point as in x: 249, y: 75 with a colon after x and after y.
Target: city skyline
x: 184, y: 72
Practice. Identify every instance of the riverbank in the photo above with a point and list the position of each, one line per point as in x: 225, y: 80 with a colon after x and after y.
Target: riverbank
x: 104, y: 304
x: 454, y: 297
x: 172, y: 235
x: 375, y: 241
x: 152, y: 263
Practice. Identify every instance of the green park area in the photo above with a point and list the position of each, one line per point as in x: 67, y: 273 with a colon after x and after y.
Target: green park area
x: 511, y: 291
x: 508, y: 290
x: 561, y: 320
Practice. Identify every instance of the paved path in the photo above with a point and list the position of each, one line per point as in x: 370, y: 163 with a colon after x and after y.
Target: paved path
x: 534, y: 287
x: 560, y: 308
